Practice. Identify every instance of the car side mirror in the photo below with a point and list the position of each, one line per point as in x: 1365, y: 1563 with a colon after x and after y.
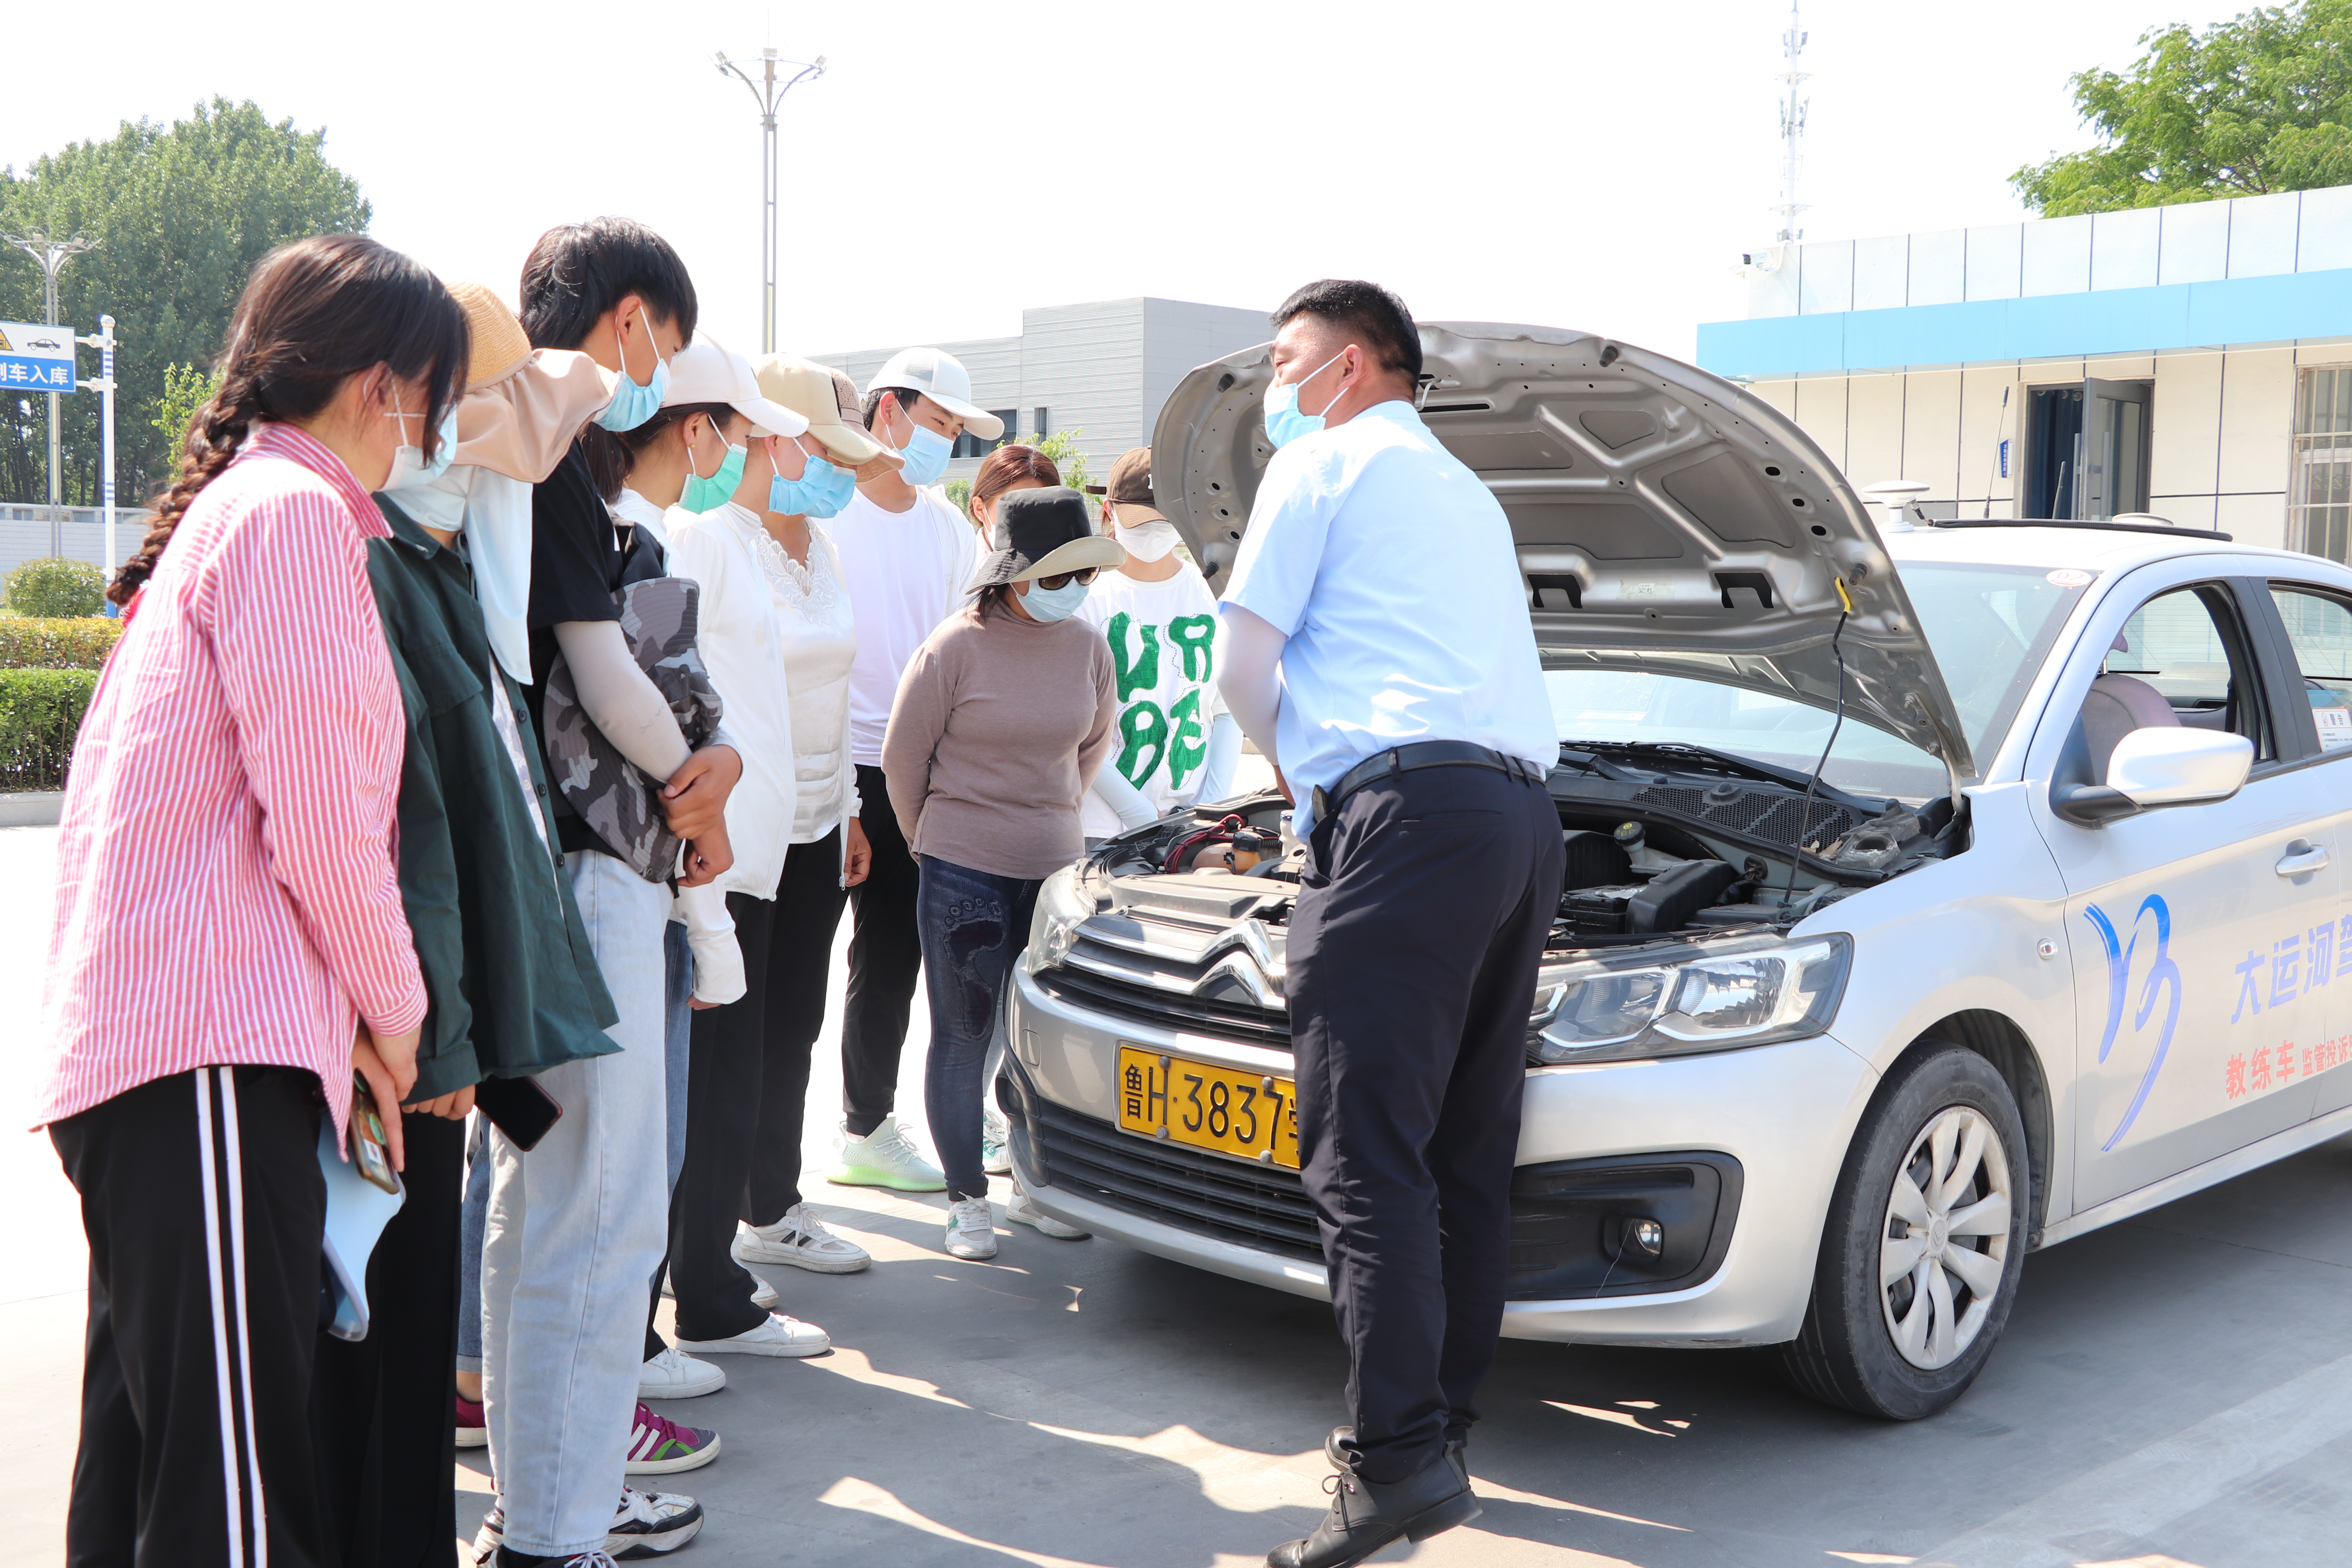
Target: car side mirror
x: 2160, y: 767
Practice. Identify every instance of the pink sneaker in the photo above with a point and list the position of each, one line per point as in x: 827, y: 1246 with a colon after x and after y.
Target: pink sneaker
x: 661, y: 1447
x: 473, y: 1427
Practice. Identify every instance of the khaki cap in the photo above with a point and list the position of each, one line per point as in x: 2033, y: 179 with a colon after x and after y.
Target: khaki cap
x: 828, y: 400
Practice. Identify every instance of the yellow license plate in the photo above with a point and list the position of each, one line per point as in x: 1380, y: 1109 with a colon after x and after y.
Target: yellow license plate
x: 1251, y: 1115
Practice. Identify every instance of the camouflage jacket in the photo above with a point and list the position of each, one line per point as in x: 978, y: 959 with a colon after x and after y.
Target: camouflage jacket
x: 620, y: 804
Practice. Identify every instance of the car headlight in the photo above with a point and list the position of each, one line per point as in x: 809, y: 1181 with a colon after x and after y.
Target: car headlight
x: 1062, y: 906
x: 1699, y: 996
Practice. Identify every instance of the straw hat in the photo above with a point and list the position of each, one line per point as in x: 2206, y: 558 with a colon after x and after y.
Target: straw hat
x: 501, y: 346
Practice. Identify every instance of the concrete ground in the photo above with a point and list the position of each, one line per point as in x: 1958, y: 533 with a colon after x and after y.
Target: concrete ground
x: 2171, y: 1394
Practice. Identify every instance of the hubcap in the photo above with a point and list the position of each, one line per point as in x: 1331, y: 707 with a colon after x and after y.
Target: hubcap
x: 1946, y: 1237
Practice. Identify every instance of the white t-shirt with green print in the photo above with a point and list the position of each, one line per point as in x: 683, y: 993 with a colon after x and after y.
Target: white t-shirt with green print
x: 1162, y: 639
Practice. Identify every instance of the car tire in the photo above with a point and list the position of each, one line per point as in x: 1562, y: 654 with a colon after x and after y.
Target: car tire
x: 1945, y: 1127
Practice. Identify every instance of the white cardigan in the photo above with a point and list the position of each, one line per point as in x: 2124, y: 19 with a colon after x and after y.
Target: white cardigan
x: 743, y: 648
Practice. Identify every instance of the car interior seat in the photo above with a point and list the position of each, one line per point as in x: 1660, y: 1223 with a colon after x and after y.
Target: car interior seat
x: 2117, y: 705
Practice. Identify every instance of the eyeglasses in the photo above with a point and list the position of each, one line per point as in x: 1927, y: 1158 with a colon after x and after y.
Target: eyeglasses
x: 1060, y: 580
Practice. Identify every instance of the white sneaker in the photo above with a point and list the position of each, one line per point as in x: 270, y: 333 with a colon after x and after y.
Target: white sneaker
x: 885, y: 1157
x: 675, y: 1375
x: 765, y: 1296
x: 996, y: 1144
x: 800, y: 1239
x: 972, y: 1233
x: 1020, y: 1210
x: 647, y: 1524
x: 778, y: 1335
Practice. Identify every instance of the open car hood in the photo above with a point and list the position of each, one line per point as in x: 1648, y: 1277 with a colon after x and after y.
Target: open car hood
x: 1665, y: 521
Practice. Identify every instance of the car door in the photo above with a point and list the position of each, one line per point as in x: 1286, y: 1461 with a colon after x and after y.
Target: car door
x: 2189, y: 924
x: 2315, y: 638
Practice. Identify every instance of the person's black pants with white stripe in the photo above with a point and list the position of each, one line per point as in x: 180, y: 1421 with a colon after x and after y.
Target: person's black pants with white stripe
x: 380, y: 1407
x: 204, y: 1204
x: 1413, y: 955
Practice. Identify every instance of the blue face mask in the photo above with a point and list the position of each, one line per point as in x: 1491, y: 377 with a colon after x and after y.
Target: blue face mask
x: 408, y: 465
x: 926, y: 452
x: 1284, y: 423
x: 822, y: 490
x: 1053, y: 604
x: 710, y: 494
x: 633, y: 404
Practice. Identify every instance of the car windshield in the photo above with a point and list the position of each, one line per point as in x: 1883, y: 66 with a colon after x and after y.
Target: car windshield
x: 1990, y: 627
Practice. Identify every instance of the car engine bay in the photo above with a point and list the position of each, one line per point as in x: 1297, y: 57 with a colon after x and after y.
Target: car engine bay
x: 1658, y: 847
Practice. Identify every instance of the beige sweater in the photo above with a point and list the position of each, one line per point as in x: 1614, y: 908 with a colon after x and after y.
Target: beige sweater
x: 999, y: 726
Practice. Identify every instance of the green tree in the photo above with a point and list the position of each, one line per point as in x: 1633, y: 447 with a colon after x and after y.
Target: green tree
x: 186, y: 388
x: 2260, y: 103
x: 55, y: 588
x: 180, y: 212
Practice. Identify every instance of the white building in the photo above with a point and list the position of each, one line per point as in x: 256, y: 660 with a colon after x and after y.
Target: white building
x: 2192, y: 361
x: 1102, y: 369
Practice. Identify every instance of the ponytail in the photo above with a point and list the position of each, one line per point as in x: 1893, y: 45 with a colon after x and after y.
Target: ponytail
x: 314, y: 314
x: 215, y: 433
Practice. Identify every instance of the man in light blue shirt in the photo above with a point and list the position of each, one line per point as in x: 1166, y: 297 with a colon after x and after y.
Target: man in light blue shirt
x: 1379, y: 651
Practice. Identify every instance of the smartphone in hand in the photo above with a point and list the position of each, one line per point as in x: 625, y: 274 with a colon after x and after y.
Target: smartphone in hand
x: 369, y: 1154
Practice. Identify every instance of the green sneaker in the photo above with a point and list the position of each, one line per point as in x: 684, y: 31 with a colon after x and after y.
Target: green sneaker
x: 886, y: 1158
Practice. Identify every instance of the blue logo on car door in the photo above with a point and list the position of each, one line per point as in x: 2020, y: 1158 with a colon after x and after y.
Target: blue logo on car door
x: 2162, y: 975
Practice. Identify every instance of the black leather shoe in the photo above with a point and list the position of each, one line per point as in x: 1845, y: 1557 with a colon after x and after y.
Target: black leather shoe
x: 1339, y: 1448
x: 1368, y: 1515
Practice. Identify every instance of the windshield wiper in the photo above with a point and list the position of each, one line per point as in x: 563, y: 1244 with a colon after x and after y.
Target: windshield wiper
x: 1683, y: 752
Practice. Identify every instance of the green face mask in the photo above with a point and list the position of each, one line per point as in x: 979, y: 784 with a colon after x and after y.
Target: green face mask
x: 710, y: 494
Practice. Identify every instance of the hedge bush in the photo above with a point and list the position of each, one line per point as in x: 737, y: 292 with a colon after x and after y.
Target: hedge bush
x: 40, y: 710
x: 56, y: 585
x: 55, y: 643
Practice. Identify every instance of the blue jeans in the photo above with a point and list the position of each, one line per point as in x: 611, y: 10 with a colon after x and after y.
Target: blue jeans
x: 972, y: 925
x: 574, y: 1231
x: 678, y: 962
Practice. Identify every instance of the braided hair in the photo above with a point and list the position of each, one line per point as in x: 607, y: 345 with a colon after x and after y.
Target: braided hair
x: 314, y: 314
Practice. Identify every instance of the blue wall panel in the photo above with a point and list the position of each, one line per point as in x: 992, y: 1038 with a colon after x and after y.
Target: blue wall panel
x: 2048, y: 326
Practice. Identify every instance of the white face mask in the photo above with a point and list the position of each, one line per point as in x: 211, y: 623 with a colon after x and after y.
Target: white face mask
x: 1150, y: 541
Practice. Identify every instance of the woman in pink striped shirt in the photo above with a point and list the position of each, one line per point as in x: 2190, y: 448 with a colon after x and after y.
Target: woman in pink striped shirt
x: 229, y: 943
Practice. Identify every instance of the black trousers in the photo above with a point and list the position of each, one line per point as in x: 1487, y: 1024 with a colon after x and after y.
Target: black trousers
x: 380, y: 1407
x: 747, y: 1087
x: 1413, y: 955
x: 885, y: 958
x: 205, y: 1209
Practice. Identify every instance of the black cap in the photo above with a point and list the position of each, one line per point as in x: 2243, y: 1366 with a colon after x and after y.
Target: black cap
x: 1041, y: 533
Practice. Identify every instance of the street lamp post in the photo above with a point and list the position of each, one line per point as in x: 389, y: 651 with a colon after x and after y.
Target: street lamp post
x: 52, y: 253
x: 769, y: 94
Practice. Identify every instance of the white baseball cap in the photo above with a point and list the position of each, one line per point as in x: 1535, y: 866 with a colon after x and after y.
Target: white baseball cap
x: 939, y: 377
x: 706, y: 371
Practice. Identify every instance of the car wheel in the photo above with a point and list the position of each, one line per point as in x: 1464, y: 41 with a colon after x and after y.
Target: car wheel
x: 1923, y: 1248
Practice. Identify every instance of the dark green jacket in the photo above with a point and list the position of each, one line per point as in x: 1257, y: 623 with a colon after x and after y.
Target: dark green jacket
x: 512, y: 985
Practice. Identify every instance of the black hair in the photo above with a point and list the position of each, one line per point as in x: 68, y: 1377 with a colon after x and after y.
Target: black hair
x: 313, y: 314
x: 634, y: 442
x: 907, y: 398
x: 1369, y: 310
x: 578, y: 271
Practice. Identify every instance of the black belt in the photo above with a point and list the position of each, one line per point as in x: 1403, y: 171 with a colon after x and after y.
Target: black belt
x: 1420, y: 755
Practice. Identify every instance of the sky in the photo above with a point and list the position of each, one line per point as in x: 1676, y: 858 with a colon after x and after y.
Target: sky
x: 1567, y: 164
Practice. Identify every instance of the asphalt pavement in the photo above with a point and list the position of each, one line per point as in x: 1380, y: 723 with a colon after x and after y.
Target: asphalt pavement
x: 2171, y: 1394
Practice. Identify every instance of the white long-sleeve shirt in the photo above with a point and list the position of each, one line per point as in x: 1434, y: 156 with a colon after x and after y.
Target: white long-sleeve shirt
x: 742, y: 647
x: 819, y: 625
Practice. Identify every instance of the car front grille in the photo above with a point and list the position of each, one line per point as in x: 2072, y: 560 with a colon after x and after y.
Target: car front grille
x: 1165, y: 1008
x: 1264, y: 1208
x: 1566, y: 1216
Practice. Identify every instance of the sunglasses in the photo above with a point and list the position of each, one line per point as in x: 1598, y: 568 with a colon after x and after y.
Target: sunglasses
x: 1060, y: 580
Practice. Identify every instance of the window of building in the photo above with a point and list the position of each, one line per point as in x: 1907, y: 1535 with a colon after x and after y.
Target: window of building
x: 2319, y: 494
x: 2086, y: 449
x: 971, y: 446
x: 1043, y: 426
